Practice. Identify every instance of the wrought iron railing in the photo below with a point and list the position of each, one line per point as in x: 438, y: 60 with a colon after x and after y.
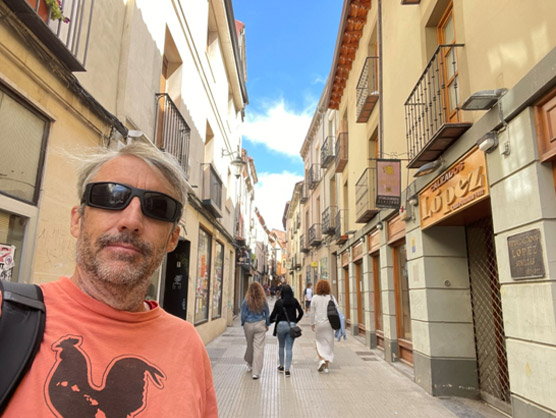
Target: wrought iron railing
x: 68, y: 40
x: 341, y: 151
x: 327, y: 152
x: 366, y: 94
x: 434, y: 99
x: 212, y: 190
x: 365, y: 196
x: 303, y: 247
x: 173, y: 132
x: 329, y: 220
x: 304, y: 192
x: 315, y: 235
x: 313, y: 176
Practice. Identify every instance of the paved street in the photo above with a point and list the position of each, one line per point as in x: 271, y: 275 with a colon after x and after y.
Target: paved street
x: 360, y: 384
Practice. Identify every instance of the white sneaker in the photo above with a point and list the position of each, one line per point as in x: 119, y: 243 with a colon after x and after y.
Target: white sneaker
x: 255, y: 376
x: 322, y: 364
x: 249, y: 368
x: 325, y: 371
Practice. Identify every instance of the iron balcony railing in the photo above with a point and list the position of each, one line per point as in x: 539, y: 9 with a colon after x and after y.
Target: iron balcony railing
x: 365, y: 196
x: 173, y: 132
x: 366, y: 94
x: 315, y: 235
x: 304, y: 192
x: 329, y: 220
x: 339, y: 236
x: 327, y: 152
x: 303, y: 247
x: 341, y: 151
x: 297, y: 221
x: 432, y: 114
x: 67, y: 40
x: 313, y: 176
x: 212, y: 190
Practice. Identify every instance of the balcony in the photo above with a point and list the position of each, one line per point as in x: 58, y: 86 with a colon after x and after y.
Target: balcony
x: 329, y: 220
x: 367, y: 89
x: 304, y: 193
x: 296, y: 263
x: 365, y: 196
x: 303, y: 247
x: 313, y: 176
x: 172, y: 131
x: 327, y: 152
x: 432, y: 115
x: 212, y: 190
x: 67, y: 41
x: 340, y: 235
x: 341, y: 151
x: 315, y: 235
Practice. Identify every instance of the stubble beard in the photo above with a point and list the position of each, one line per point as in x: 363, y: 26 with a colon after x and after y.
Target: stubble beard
x: 121, y: 273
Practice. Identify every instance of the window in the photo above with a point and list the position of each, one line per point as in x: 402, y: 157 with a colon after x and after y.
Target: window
x: 23, y: 139
x: 203, y: 277
x: 447, y: 36
x: 218, y: 281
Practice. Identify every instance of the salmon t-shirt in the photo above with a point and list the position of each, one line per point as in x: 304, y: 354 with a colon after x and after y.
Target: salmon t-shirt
x: 98, y: 362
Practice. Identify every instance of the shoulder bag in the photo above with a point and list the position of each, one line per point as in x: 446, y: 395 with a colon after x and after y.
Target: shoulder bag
x: 332, y: 313
x: 295, y: 331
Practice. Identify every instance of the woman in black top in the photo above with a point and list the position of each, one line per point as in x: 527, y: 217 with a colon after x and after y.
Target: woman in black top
x: 281, y: 329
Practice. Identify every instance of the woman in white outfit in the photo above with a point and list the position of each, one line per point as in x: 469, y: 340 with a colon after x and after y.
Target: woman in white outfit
x: 324, y: 334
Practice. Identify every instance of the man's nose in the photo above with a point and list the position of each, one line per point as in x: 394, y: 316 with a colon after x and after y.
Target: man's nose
x: 132, y: 217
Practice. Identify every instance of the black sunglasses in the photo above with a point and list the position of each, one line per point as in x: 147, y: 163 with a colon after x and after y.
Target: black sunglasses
x: 116, y: 196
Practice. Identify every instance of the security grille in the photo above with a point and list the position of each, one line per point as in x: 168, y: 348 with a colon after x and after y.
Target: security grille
x: 487, y: 313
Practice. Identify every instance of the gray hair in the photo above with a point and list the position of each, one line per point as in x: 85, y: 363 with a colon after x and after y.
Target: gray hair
x: 90, y: 165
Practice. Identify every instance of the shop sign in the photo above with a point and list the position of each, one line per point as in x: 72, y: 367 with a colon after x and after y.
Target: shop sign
x: 462, y: 185
x: 345, y: 258
x: 388, y: 177
x: 525, y: 251
x: 314, y: 264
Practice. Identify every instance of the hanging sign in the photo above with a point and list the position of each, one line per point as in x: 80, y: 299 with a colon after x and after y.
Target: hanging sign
x: 388, y: 178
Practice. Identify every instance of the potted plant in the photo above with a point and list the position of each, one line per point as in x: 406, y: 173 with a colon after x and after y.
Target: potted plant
x: 56, y: 12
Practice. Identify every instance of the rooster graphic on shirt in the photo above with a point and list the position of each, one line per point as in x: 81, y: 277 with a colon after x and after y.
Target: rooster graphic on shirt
x: 122, y: 393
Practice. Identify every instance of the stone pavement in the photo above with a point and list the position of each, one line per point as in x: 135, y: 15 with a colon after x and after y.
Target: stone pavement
x: 360, y: 384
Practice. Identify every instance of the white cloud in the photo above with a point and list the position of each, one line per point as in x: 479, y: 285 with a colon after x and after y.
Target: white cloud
x: 279, y: 128
x: 272, y: 191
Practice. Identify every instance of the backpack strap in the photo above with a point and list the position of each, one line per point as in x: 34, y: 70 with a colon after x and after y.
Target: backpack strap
x: 22, y: 320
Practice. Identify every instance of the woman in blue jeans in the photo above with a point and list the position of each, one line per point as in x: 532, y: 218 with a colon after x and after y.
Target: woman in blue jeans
x: 282, y: 329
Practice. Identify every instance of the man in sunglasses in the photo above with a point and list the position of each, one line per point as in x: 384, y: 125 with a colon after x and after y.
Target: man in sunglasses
x: 106, y: 351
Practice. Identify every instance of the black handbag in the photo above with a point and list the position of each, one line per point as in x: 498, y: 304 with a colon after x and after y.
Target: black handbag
x: 295, y: 331
x: 332, y: 314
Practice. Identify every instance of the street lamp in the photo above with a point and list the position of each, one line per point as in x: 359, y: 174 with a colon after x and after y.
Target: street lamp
x: 237, y: 162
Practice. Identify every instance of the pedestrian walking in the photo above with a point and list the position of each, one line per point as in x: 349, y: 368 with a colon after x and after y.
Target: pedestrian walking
x: 291, y: 306
x: 255, y: 321
x: 307, y: 296
x: 324, y: 334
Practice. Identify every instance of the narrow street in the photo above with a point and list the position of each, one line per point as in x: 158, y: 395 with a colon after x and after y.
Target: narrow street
x: 360, y: 384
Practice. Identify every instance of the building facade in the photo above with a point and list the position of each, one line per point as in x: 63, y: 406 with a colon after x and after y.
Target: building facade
x: 170, y: 76
x: 454, y: 282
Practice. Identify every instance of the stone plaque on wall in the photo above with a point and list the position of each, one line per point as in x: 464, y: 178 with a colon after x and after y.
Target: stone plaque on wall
x: 526, y: 258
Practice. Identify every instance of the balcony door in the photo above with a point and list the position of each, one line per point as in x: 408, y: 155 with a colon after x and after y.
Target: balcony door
x: 447, y: 36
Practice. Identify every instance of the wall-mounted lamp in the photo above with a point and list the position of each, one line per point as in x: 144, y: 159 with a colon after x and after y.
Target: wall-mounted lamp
x: 483, y: 100
x: 237, y: 162
x: 488, y: 142
x: 428, y: 168
x: 413, y: 200
x: 379, y: 226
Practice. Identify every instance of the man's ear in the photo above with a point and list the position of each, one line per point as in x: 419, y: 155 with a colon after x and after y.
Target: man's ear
x: 173, y: 239
x: 76, y: 217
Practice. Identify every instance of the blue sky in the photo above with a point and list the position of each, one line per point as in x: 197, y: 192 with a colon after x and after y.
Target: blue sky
x: 290, y: 46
